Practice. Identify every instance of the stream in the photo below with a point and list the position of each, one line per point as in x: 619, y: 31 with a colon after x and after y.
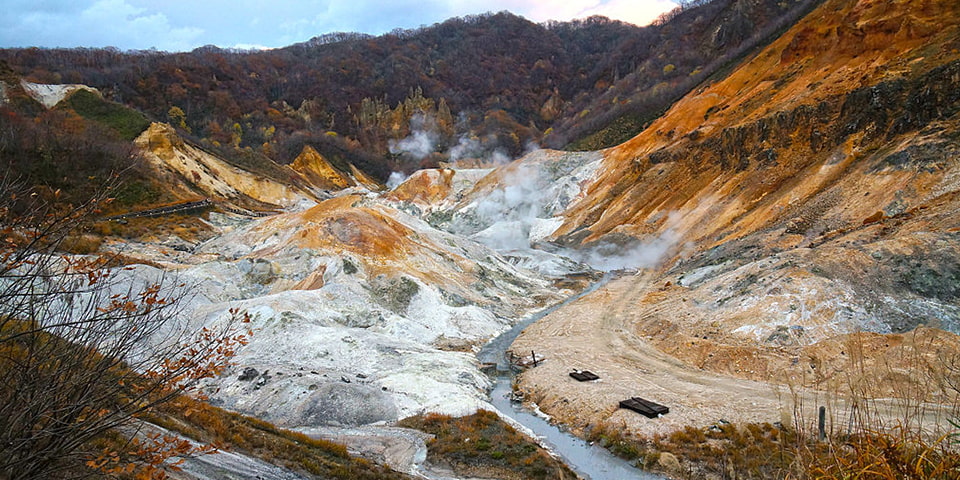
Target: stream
x: 591, y: 462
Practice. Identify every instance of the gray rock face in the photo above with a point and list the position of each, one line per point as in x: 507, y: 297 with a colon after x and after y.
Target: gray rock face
x: 345, y: 336
x: 248, y: 374
x: 345, y: 404
x: 258, y: 271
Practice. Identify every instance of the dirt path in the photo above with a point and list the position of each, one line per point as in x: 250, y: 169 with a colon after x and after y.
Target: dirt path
x: 597, y: 333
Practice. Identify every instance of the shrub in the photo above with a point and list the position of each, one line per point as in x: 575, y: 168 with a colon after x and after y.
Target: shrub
x: 127, y: 122
x: 82, y: 354
x: 483, y: 440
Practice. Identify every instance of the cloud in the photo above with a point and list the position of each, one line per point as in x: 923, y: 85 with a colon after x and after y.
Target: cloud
x: 181, y: 25
x: 249, y: 46
x: 631, y: 11
x: 637, y: 12
x: 99, y: 24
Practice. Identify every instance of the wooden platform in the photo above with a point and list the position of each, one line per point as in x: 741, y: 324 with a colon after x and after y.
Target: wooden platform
x: 583, y: 375
x: 644, y: 407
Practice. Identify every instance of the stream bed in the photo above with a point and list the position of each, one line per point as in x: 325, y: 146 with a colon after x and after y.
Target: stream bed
x: 591, y: 462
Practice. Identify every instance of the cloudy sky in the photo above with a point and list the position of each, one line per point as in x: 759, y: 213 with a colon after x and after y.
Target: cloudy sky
x: 179, y: 25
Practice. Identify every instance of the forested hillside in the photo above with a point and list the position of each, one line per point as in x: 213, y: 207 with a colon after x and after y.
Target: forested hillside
x: 470, y: 87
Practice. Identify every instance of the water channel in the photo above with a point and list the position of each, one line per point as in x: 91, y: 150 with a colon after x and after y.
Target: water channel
x: 591, y: 462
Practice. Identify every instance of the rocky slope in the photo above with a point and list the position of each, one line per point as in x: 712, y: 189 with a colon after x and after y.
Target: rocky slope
x: 834, y: 157
x: 188, y: 171
x: 50, y: 95
x: 793, y: 226
x: 795, y: 222
x: 810, y: 195
x: 318, y: 171
x: 363, y: 312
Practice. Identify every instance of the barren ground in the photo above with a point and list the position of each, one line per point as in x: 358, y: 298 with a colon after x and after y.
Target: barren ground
x: 599, y: 333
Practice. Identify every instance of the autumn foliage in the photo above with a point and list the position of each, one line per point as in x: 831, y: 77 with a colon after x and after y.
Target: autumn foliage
x: 550, y: 84
x: 85, y: 349
x: 484, y: 442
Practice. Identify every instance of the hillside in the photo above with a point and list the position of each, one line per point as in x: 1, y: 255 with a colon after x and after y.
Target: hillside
x: 465, y: 88
x: 779, y: 231
x: 809, y: 200
x: 844, y: 146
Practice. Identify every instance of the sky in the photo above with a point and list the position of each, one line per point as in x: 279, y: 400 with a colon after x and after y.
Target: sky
x: 182, y: 25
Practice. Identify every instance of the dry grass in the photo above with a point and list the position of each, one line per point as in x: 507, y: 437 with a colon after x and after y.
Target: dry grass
x: 764, y: 451
x: 483, y: 444
x: 888, y: 455
x: 296, y: 451
x: 186, y: 226
x: 912, y: 434
x: 753, y: 451
x: 81, y: 244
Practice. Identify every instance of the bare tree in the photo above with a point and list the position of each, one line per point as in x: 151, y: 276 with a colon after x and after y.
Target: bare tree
x: 82, y: 349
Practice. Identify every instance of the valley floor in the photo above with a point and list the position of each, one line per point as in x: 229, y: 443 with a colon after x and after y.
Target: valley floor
x: 599, y: 333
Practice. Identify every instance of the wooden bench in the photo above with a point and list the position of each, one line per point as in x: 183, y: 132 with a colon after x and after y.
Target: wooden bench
x: 583, y: 375
x: 644, y: 407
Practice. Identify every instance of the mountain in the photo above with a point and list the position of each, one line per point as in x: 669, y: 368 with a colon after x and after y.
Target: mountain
x: 818, y: 141
x: 808, y: 202
x: 466, y: 88
x: 783, y: 237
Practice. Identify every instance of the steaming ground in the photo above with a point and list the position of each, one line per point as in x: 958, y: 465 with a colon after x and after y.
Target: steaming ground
x: 520, y: 205
x: 367, y: 308
x: 726, y: 333
x: 795, y: 232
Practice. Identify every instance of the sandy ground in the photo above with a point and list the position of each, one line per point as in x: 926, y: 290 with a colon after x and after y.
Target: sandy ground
x: 597, y: 333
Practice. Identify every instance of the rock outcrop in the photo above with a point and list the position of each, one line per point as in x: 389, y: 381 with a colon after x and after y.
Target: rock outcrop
x: 190, y: 171
x: 804, y: 205
x: 833, y: 150
x: 321, y: 174
x: 361, y: 313
x: 50, y: 95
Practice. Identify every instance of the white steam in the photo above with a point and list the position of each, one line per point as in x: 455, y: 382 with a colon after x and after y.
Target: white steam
x: 526, y: 208
x: 633, y: 256
x: 498, y: 157
x: 527, y: 204
x: 530, y: 147
x: 422, y: 140
x: 466, y: 147
x: 395, y: 179
x: 418, y: 145
x: 425, y: 138
x: 629, y: 253
x: 509, y: 212
x: 470, y: 147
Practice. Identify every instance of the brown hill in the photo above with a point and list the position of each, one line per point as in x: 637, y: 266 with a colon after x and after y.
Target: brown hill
x: 841, y: 136
x: 318, y: 170
x: 187, y: 170
x: 812, y: 195
x: 856, y: 92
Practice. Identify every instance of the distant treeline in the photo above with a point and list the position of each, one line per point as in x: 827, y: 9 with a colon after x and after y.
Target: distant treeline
x: 483, y: 84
